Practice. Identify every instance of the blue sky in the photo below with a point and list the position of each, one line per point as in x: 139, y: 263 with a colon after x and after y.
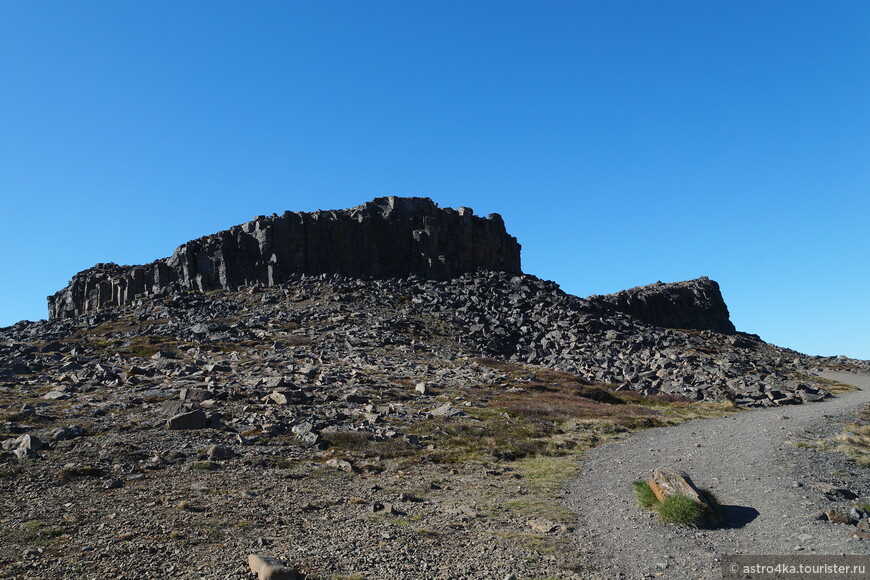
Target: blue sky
x: 623, y: 142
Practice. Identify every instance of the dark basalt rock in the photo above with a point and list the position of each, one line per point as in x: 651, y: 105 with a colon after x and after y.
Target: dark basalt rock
x: 384, y: 238
x: 692, y: 305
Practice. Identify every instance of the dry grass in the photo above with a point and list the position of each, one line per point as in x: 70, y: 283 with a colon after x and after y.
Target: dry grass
x: 854, y: 441
x: 487, y: 434
x: 555, y: 414
x: 560, y: 405
x: 546, y: 476
x: 362, y: 443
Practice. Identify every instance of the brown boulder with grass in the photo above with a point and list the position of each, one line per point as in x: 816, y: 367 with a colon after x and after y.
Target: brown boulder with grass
x: 667, y: 483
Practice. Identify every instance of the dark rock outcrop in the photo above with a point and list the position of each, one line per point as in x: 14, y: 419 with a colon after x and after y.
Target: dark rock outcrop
x: 384, y: 238
x: 691, y: 305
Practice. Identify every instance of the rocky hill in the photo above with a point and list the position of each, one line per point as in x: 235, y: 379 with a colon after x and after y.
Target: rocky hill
x: 675, y: 338
x: 405, y: 411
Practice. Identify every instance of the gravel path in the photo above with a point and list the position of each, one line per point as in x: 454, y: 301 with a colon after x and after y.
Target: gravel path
x: 760, y: 478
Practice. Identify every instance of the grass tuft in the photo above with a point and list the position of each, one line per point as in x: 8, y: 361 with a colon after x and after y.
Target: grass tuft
x: 681, y: 509
x: 203, y: 466
x: 644, y: 494
x: 354, y: 441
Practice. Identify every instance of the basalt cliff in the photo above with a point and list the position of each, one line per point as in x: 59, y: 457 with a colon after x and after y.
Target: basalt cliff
x: 387, y: 237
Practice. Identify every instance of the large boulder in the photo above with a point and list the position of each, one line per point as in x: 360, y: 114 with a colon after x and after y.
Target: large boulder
x: 693, y: 304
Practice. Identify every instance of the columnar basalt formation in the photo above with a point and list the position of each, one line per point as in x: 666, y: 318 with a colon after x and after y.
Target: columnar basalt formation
x: 694, y: 304
x: 384, y: 238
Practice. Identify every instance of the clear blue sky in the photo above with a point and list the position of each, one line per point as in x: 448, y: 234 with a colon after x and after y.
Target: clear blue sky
x: 624, y: 142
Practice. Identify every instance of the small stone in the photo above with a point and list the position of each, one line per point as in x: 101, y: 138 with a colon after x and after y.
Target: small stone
x: 220, y: 452
x: 67, y: 433
x: 834, y: 493
x: 838, y: 517
x: 341, y: 464
x: 409, y: 497
x: 279, y: 398
x: 24, y: 453
x: 27, y: 441
x: 114, y: 483
x: 447, y: 410
x: 274, y: 382
x: 542, y: 526
x: 197, y: 395
x: 269, y: 568
x: 192, y: 420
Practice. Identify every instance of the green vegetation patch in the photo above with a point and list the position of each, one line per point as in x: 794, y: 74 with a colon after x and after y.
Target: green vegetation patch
x: 644, y: 494
x: 681, y: 509
x: 32, y: 532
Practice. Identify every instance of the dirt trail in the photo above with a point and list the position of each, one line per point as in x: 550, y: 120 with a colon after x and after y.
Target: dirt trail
x: 745, y: 459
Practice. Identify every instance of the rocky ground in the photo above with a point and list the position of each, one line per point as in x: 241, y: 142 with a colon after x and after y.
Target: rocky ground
x: 781, y: 495
x: 357, y: 429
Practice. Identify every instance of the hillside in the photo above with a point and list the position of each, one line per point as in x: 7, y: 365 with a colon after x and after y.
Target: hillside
x: 415, y: 419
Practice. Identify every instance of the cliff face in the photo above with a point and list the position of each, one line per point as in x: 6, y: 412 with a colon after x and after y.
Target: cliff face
x: 694, y: 304
x: 386, y: 237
